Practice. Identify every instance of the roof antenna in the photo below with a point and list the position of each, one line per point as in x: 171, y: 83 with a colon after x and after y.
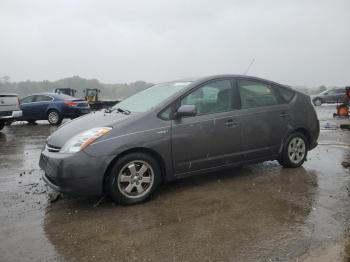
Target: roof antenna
x: 251, y: 63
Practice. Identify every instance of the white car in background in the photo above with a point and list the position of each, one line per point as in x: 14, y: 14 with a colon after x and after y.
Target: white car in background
x: 9, y: 108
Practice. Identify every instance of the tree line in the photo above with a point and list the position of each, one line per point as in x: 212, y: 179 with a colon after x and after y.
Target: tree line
x: 108, y: 91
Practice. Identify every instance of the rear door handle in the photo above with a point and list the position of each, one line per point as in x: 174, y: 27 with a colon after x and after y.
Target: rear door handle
x: 231, y: 123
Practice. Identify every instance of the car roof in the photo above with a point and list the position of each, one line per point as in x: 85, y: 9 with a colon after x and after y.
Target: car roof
x: 54, y: 95
x: 212, y: 77
x: 247, y: 77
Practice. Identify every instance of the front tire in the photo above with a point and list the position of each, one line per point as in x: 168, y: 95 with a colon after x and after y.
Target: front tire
x: 295, y: 151
x: 2, y: 124
x: 54, y: 117
x: 133, y: 178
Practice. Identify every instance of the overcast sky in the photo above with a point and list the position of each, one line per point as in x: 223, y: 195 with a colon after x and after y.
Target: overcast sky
x: 294, y: 42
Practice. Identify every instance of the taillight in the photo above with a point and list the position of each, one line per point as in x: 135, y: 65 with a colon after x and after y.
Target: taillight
x: 70, y: 103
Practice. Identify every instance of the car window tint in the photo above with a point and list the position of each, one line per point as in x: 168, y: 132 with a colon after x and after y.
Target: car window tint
x: 42, y: 98
x: 27, y: 99
x: 213, y: 97
x: 340, y: 91
x: 255, y: 94
x: 286, y: 94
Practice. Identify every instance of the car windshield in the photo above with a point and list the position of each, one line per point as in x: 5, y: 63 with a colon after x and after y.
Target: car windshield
x: 326, y: 92
x: 151, y: 97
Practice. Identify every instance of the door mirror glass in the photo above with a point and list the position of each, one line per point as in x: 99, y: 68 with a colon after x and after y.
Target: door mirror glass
x: 186, y: 110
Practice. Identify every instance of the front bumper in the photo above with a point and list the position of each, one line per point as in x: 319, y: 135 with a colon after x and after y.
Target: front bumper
x: 77, y: 174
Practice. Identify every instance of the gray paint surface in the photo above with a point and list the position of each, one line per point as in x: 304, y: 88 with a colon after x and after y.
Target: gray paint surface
x: 185, y: 146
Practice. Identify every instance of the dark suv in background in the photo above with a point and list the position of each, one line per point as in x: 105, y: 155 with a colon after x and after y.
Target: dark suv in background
x: 336, y: 95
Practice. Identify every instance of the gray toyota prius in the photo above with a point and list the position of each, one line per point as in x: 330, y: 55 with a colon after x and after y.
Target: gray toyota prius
x: 178, y: 129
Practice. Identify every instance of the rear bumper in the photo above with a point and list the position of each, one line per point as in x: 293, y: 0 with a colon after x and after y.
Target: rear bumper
x: 13, y: 114
x: 75, y: 112
x: 76, y: 174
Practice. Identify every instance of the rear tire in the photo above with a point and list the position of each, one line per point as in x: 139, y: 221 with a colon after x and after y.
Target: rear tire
x: 318, y: 102
x: 54, y: 117
x: 294, y: 151
x: 133, y: 178
x: 2, y: 124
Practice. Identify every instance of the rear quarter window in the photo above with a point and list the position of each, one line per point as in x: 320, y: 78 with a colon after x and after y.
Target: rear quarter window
x: 286, y: 94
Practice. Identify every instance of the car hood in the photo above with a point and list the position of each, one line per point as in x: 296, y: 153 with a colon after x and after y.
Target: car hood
x: 92, y: 120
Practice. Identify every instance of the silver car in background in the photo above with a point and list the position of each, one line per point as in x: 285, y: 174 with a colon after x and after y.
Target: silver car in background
x: 9, y: 108
x: 335, y: 95
x: 179, y: 129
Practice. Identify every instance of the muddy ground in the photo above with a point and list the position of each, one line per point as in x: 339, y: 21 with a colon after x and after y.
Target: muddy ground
x: 261, y: 212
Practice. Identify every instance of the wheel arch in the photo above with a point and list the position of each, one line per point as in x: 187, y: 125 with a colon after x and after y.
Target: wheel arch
x: 53, y: 108
x: 145, y: 150
x: 301, y: 130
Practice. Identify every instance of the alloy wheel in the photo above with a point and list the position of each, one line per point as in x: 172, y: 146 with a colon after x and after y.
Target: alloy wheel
x: 53, y: 117
x: 296, y: 150
x: 135, y: 179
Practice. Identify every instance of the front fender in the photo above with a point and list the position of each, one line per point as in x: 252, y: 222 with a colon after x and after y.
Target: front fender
x: 157, y: 140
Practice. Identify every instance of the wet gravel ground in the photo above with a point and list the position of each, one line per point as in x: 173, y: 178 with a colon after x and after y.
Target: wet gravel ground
x: 260, y: 212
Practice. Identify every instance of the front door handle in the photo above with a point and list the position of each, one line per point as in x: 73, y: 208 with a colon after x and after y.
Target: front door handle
x: 231, y: 123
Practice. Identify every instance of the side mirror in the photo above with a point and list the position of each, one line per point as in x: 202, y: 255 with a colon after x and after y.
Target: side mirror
x: 186, y: 110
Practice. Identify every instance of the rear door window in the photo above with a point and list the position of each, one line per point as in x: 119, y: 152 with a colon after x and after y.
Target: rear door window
x: 256, y: 94
x: 42, y: 98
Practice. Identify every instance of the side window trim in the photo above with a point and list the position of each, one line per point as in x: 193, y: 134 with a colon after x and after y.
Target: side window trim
x: 236, y: 98
x: 36, y: 97
x: 174, y: 105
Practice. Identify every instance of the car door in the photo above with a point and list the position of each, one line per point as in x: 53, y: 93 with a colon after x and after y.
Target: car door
x: 340, y: 95
x: 331, y: 96
x: 264, y: 119
x: 27, y: 108
x: 41, y: 103
x: 211, y: 138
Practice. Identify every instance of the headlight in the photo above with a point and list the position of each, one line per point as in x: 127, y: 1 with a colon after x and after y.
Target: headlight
x: 82, y: 140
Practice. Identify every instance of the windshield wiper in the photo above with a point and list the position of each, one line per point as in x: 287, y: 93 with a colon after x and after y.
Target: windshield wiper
x: 124, y: 111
